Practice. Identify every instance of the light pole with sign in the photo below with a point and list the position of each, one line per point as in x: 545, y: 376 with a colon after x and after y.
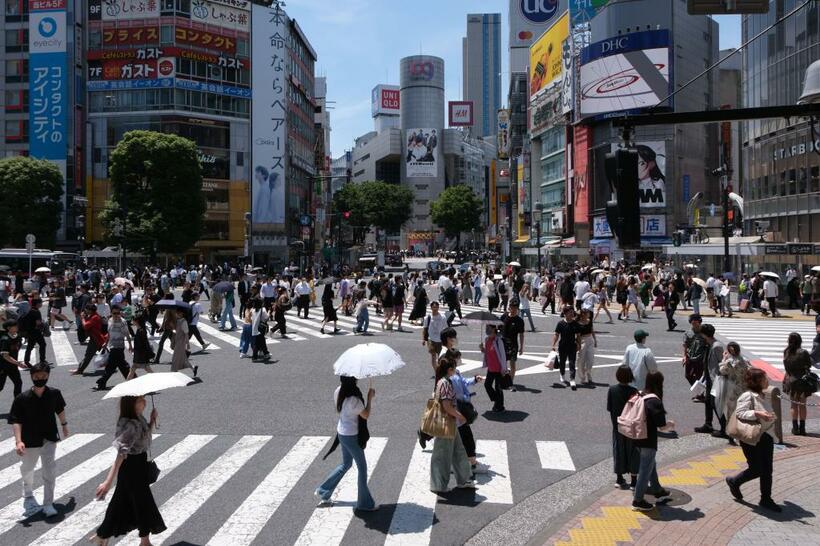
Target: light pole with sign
x: 30, y: 240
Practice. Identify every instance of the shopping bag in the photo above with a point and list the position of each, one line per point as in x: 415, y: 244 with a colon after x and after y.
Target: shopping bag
x: 698, y: 388
x: 744, y: 305
x: 748, y: 432
x: 552, y: 359
x: 101, y: 360
x: 436, y: 423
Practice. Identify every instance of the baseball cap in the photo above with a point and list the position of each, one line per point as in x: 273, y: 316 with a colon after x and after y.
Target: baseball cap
x: 640, y: 334
x: 695, y: 317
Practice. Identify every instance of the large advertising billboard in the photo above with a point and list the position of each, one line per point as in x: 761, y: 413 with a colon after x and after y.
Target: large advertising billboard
x: 126, y: 10
x: 385, y: 99
x: 460, y: 113
x: 422, y: 153
x: 530, y: 18
x: 651, y: 173
x: 218, y: 13
x: 547, y: 55
x: 269, y: 114
x: 503, y: 134
x: 626, y: 73
x: 652, y: 225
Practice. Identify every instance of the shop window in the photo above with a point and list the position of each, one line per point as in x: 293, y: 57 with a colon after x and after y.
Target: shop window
x: 16, y: 40
x: 16, y: 11
x: 17, y: 71
x: 17, y: 100
x: 166, y: 34
x: 16, y: 130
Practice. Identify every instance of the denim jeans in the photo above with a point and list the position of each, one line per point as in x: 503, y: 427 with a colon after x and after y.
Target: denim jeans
x: 527, y: 313
x: 245, y: 340
x: 696, y: 306
x: 647, y: 473
x: 350, y: 452
x: 477, y: 299
x: 227, y: 313
x: 363, y: 321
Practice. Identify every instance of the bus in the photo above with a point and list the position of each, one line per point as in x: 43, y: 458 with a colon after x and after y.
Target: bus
x: 17, y: 259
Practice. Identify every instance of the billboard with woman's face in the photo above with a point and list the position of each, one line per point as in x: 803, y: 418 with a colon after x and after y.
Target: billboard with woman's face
x: 651, y: 173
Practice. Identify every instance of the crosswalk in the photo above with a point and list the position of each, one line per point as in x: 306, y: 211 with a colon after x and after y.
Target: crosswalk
x: 288, y: 480
x: 764, y: 338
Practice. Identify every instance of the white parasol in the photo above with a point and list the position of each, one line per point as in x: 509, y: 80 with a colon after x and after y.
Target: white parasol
x: 42, y: 270
x: 698, y: 281
x: 121, y: 281
x: 770, y: 274
x: 815, y: 269
x: 514, y: 264
x: 368, y: 360
x: 148, y: 384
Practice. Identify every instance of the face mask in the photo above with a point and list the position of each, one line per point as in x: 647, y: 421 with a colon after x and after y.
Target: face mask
x: 39, y: 382
x: 12, y: 336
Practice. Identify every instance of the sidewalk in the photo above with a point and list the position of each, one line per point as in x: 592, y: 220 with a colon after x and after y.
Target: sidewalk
x: 703, y: 512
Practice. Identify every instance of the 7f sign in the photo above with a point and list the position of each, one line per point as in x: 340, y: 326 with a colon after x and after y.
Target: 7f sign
x: 460, y: 113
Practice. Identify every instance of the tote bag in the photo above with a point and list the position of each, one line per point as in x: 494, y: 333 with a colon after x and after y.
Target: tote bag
x: 748, y: 432
x: 436, y: 423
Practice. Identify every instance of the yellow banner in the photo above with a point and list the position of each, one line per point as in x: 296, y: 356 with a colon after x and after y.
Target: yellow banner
x: 546, y: 63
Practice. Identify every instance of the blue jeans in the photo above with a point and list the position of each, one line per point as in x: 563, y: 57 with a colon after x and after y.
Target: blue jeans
x: 350, y: 452
x: 647, y: 473
x: 527, y: 313
x: 477, y: 299
x: 363, y: 321
x: 246, y: 339
x: 696, y: 305
x: 227, y: 313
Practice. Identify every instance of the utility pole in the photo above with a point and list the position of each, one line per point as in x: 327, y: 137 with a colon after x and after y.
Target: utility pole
x: 723, y: 172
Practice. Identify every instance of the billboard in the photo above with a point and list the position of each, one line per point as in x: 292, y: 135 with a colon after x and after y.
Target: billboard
x: 460, y: 113
x: 126, y: 10
x: 582, y: 11
x: 545, y: 111
x: 530, y: 18
x: 503, y: 134
x: 651, y: 173
x: 547, y: 55
x: 127, y: 69
x: 131, y: 36
x: 652, y: 225
x: 567, y: 77
x: 269, y: 114
x: 626, y: 73
x: 210, y: 12
x: 145, y: 53
x: 205, y: 39
x: 422, y: 153
x: 385, y: 99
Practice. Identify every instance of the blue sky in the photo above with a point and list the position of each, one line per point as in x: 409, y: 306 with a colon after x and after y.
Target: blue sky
x: 360, y: 45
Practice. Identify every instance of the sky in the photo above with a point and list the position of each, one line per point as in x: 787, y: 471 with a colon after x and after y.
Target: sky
x: 360, y: 46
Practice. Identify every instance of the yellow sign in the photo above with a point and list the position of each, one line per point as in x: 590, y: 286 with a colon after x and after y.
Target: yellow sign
x: 493, y: 196
x: 546, y: 64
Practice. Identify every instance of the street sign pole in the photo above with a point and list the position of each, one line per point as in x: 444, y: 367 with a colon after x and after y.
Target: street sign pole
x: 30, y: 240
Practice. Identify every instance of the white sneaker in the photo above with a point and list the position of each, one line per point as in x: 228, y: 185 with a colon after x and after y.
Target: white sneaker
x: 320, y: 501
x: 205, y: 346
x: 469, y: 484
x: 49, y: 511
x: 30, y: 506
x: 572, y: 384
x: 66, y: 325
x: 243, y: 355
x: 480, y: 468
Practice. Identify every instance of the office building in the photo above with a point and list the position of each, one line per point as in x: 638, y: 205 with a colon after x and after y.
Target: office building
x: 481, y: 65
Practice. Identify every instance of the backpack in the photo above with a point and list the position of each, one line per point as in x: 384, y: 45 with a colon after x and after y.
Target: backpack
x: 502, y: 288
x: 632, y: 421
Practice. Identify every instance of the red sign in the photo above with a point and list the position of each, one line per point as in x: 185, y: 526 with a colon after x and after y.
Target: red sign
x: 391, y: 99
x: 122, y: 70
x: 157, y: 52
x: 44, y: 5
x: 460, y: 113
x: 131, y: 36
x: 206, y: 39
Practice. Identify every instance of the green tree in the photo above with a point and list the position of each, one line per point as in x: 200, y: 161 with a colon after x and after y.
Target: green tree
x: 457, y: 210
x: 32, y: 192
x: 386, y: 206
x: 156, y: 183
x: 349, y: 199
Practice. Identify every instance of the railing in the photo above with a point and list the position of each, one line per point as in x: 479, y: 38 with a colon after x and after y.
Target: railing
x: 806, y: 203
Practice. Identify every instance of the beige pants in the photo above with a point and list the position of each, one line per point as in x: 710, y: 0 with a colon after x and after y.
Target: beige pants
x: 586, y: 356
x: 27, y: 466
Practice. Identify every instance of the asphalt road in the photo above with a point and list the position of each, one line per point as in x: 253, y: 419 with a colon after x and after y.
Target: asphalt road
x: 252, y: 425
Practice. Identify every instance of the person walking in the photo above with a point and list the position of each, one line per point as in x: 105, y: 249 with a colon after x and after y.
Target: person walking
x: 640, y: 359
x: 492, y: 293
x: 587, y: 343
x: 603, y: 302
x: 753, y: 406
x: 624, y: 453
x: 180, y: 344
x: 10, y: 366
x: 246, y: 337
x: 386, y: 299
x: 118, y: 335
x: 433, y: 325
x: 512, y: 330
x: 477, y: 281
x: 399, y: 300
x: 420, y: 301
x: 494, y: 359
x: 547, y: 293
x: 671, y: 300
x: 621, y: 298
x: 797, y: 364
x: 92, y: 327
x: 353, y: 414
x: 770, y: 292
x: 647, y: 481
x: 227, y: 311
x: 193, y: 329
x: 281, y: 305
x: 143, y: 352
x: 132, y: 506
x: 731, y: 381
x: 78, y: 304
x: 35, y: 437
x: 302, y: 290
x: 464, y: 404
x: 169, y: 319
x: 564, y: 339
x: 32, y: 326
x: 711, y: 370
x: 449, y: 453
x: 362, y: 313
x: 694, y: 349
x: 258, y: 330
x: 329, y: 309
x: 524, y: 305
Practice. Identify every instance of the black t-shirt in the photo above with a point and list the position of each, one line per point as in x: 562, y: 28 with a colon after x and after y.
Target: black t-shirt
x: 59, y: 298
x: 616, y: 400
x: 398, y: 296
x: 36, y: 415
x: 566, y: 330
x: 29, y: 322
x: 10, y: 346
x: 513, y: 327
x: 655, y: 418
x: 187, y: 295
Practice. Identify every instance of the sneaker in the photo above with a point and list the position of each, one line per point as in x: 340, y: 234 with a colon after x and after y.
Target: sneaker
x: 196, y: 369
x: 205, y: 345
x: 572, y: 384
x: 734, y: 489
x: 642, y: 506
x: 469, y: 484
x: 49, y: 511
x: 662, y: 494
x: 769, y: 504
x: 513, y: 389
x: 705, y: 429
x: 719, y: 434
x: 30, y: 507
x: 243, y: 355
x: 480, y: 468
x: 320, y: 501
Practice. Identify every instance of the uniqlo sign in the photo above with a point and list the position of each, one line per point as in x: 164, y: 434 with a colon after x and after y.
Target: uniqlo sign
x: 385, y: 99
x: 390, y: 99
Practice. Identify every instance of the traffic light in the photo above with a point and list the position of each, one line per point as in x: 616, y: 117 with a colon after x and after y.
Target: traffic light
x: 677, y: 238
x: 346, y: 215
x: 624, y: 213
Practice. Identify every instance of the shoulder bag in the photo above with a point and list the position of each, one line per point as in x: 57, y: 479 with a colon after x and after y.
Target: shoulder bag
x: 748, y: 432
x: 435, y: 422
x: 467, y: 409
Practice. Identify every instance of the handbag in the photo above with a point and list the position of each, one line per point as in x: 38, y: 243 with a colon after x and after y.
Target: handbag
x: 506, y: 381
x: 151, y: 470
x: 467, y: 409
x: 436, y: 423
x: 46, y: 330
x: 809, y: 383
x: 101, y: 360
x: 748, y: 432
x: 698, y: 388
x: 263, y: 327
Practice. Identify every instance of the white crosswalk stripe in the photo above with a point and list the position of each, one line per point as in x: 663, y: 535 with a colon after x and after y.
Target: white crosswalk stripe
x: 11, y: 474
x: 764, y: 337
x: 63, y: 351
x: 412, y: 521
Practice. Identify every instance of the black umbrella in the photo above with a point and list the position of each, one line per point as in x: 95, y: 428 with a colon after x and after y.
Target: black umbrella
x: 173, y: 304
x: 482, y: 316
x: 223, y: 287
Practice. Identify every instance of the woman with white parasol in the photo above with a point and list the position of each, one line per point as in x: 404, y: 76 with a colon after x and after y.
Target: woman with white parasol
x: 366, y: 360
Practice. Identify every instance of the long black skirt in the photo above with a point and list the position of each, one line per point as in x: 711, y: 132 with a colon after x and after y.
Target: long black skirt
x: 329, y: 311
x: 624, y: 453
x: 419, y: 309
x: 132, y: 505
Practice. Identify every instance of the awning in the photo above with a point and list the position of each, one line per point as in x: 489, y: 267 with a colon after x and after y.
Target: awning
x: 551, y: 243
x: 601, y: 242
x: 568, y: 242
x: 655, y: 241
x: 525, y: 239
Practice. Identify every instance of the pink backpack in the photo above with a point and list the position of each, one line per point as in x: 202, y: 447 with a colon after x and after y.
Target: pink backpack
x: 632, y: 421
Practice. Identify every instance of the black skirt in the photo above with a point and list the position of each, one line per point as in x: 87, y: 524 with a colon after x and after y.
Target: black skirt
x: 329, y: 311
x: 624, y: 454
x: 132, y: 505
x: 419, y: 309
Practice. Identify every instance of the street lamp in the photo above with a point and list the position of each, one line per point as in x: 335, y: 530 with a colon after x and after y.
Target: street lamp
x: 540, y: 208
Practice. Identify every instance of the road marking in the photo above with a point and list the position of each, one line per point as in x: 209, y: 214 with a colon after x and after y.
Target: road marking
x: 327, y: 525
x: 78, y: 524
x: 63, y: 352
x: 495, y: 486
x: 7, y: 446
x: 413, y: 519
x: 190, y: 498
x: 555, y: 456
x: 247, y: 521
x: 11, y: 474
x: 469, y: 365
x: 296, y: 324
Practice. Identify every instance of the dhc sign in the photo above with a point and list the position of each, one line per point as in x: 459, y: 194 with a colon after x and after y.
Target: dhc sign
x: 538, y: 11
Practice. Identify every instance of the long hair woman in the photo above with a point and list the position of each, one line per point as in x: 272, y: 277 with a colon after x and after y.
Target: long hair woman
x: 797, y: 363
x: 132, y: 506
x: 350, y: 405
x: 328, y: 308
x: 647, y: 481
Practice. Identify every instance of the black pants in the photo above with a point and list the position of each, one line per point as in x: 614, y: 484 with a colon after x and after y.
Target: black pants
x: 194, y: 331
x: 152, y: 321
x: 166, y: 334
x: 492, y: 384
x: 13, y: 373
x: 467, y: 439
x: 551, y: 302
x: 670, y: 317
x: 492, y: 303
x: 567, y: 354
x: 759, y: 459
x: 279, y: 317
x: 504, y: 301
x: 709, y: 406
x: 90, y: 350
x: 303, y: 302
x: 243, y: 304
x: 116, y: 361
x: 259, y: 346
x: 31, y: 339
x: 772, y: 305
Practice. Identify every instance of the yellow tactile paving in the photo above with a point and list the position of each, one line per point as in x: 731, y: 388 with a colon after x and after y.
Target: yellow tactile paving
x: 697, y: 471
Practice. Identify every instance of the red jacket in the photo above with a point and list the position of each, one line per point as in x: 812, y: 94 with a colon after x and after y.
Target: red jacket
x: 93, y: 329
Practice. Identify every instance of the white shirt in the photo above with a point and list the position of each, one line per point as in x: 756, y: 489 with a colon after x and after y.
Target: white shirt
x: 710, y: 282
x: 303, y: 288
x: 256, y: 317
x: 117, y: 299
x: 349, y: 416
x: 444, y: 282
x: 770, y: 288
x: 103, y: 310
x: 267, y: 290
x: 523, y: 301
x: 196, y: 310
x: 640, y: 360
x: 435, y: 324
x: 581, y: 288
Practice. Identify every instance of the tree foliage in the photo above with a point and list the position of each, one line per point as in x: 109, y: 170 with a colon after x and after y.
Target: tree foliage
x: 156, y: 182
x: 457, y: 210
x: 31, y: 201
x: 374, y: 203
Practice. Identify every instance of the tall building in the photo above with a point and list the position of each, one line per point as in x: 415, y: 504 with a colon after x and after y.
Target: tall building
x: 481, y: 65
x: 43, y: 113
x: 529, y: 19
x: 781, y: 157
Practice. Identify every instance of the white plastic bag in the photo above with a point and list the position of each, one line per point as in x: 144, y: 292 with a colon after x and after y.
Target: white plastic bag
x: 698, y: 388
x: 101, y: 360
x: 552, y: 358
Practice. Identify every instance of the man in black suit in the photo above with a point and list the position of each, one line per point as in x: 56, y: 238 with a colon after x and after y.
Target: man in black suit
x: 244, y: 290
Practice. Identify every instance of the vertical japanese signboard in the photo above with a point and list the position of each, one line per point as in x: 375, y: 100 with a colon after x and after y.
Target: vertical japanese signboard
x: 48, y: 83
x: 269, y: 34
